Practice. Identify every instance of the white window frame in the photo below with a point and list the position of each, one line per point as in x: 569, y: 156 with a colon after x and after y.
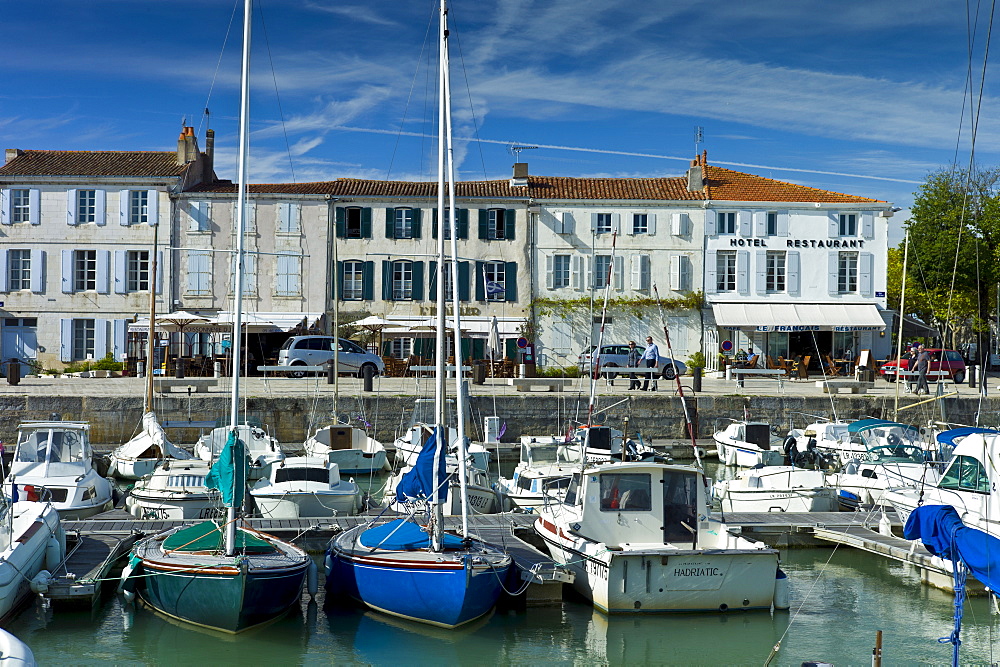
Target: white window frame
x: 726, y: 223
x: 20, y: 205
x: 848, y: 224
x: 18, y: 269
x: 138, y: 207
x: 138, y: 270
x: 402, y: 280
x: 847, y: 273
x: 84, y: 270
x: 402, y: 227
x: 84, y: 339
x: 496, y: 229
x: 776, y: 270
x: 86, y: 207
x: 354, y: 280
x: 604, y: 223
x: 496, y: 272
x: 640, y: 223
x: 725, y: 271
x: 561, y: 271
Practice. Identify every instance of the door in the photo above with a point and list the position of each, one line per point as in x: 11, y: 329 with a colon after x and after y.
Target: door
x: 680, y: 508
x: 20, y: 341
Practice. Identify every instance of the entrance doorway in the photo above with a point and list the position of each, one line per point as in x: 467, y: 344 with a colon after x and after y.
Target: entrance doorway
x: 20, y: 341
x: 815, y: 344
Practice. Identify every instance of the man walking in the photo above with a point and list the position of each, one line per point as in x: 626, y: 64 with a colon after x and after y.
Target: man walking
x: 634, y: 357
x: 651, y: 356
x: 923, y: 363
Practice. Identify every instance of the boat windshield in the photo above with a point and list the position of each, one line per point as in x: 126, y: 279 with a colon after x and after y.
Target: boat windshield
x: 966, y: 473
x: 304, y: 474
x: 50, y: 445
x: 535, y: 454
x: 889, y: 434
x: 896, y: 454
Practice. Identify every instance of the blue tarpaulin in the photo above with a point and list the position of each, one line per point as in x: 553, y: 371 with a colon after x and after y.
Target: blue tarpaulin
x: 419, y: 482
x: 944, y: 534
x: 228, y: 476
x: 403, y: 535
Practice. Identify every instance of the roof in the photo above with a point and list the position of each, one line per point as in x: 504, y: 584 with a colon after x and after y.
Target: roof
x: 150, y: 164
x: 728, y: 185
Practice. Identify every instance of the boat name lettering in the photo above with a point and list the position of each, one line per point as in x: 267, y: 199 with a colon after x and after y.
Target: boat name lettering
x: 597, y: 568
x: 697, y: 572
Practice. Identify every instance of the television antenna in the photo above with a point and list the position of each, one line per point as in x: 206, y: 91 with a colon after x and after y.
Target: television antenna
x: 516, y: 150
x: 699, y: 137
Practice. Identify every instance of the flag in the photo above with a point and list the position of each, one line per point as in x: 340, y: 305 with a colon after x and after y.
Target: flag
x: 493, y: 287
x: 503, y: 429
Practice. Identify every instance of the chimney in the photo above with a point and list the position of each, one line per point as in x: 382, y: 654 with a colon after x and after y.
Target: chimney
x: 209, y: 170
x: 13, y: 153
x: 694, y: 177
x: 187, y: 146
x: 520, y: 174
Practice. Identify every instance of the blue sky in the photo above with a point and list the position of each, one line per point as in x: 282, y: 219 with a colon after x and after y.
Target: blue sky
x: 858, y: 97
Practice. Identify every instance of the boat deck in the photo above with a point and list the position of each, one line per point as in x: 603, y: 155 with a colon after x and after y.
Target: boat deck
x: 90, y: 558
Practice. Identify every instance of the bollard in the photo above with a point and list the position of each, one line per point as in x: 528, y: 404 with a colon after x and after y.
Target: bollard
x: 217, y: 369
x: 179, y: 368
x: 13, y: 371
x: 331, y: 373
x: 971, y: 370
x: 729, y: 373
x: 140, y: 369
x: 696, y: 382
x: 368, y: 372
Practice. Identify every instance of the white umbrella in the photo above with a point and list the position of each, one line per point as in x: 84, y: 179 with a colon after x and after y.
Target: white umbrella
x: 493, y: 349
x: 373, y: 321
x: 179, y: 319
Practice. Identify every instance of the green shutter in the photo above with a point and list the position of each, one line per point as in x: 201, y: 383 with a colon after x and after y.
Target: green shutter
x: 432, y: 280
x: 434, y: 222
x: 510, y: 281
x: 479, y: 279
x: 484, y: 223
x: 416, y: 222
x: 368, y: 281
x: 366, y: 223
x: 340, y: 280
x: 341, y: 218
x: 386, y: 280
x: 418, y: 281
x: 390, y: 223
x: 463, y: 281
x: 463, y: 223
x: 509, y: 218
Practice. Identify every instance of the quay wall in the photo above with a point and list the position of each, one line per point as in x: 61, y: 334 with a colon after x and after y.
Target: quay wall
x: 114, y: 419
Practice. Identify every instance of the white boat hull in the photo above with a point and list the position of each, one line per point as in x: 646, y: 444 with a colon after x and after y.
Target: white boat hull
x: 170, y: 507
x: 132, y: 468
x: 305, y: 505
x: 36, y: 531
x: 779, y: 500
x: 357, y: 462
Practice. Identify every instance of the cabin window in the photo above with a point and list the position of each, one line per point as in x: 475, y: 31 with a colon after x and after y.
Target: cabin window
x: 524, y: 483
x: 965, y: 474
x: 573, y: 492
x: 625, y: 492
x: 680, y: 507
x: 321, y: 475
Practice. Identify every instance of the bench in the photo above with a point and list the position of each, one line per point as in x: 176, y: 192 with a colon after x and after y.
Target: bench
x: 449, y: 370
x: 201, y: 385
x: 740, y: 375
x: 552, y: 384
x: 834, y: 386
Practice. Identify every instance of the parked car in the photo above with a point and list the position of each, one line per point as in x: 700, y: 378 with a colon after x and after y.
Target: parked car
x: 318, y: 351
x: 941, y: 360
x: 613, y: 356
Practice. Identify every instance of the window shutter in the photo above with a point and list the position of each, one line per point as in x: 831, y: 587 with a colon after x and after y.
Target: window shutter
x: 339, y: 278
x: 792, y: 272
x: 616, y: 223
x: 651, y: 224
x: 295, y: 276
x: 463, y: 281
x: 71, y: 207
x: 284, y: 215
x: 761, y: 271
x: 675, y: 272
x: 159, y: 272
x: 630, y: 229
x: 35, y: 206
x: 590, y: 272
x: 386, y: 280
x: 434, y: 223
x: 432, y: 280
x: 416, y: 222
x: 340, y: 222
x: 367, y: 281
x: 463, y: 225
x: 743, y: 223
x: 711, y: 271
x: 123, y: 207
x: 418, y: 281
x: 484, y: 225
x: 118, y: 339
x: 567, y: 223
x: 100, y: 338
x: 510, y: 224
x: 390, y: 223
x: 3, y: 270
x: 67, y: 271
x: 867, y: 224
x: 685, y: 273
x: 834, y: 225
x: 510, y: 281
x: 832, y: 270
x: 103, y: 271
x: 866, y: 262
x: 366, y: 223
x: 576, y: 272
x: 782, y: 223
x: 677, y: 223
x: 5, y: 207
x: 153, y: 207
x: 619, y: 272
x: 645, y: 277
x: 711, y: 223
x: 100, y: 213
x: 637, y: 272
x: 480, y: 277
x: 549, y: 272
x: 760, y: 224
x: 65, y: 340
x: 743, y: 271
x: 593, y: 223
x: 121, y: 271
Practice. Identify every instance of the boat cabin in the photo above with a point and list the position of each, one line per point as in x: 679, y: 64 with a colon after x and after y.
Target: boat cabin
x: 52, y: 448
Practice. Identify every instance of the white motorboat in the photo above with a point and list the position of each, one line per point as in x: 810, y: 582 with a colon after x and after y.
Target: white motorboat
x: 262, y: 448
x: 545, y: 470
x: 777, y: 489
x: 175, y: 490
x: 639, y: 538
x: 139, y: 456
x: 350, y: 448
x: 601, y: 444
x: 54, y: 463
x: 822, y: 443
x: 14, y: 652
x: 32, y: 544
x: 747, y: 444
x: 482, y: 497
x: 305, y: 487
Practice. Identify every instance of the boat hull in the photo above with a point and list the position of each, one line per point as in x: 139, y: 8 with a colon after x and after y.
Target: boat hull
x: 35, y: 525
x: 357, y: 462
x: 174, y: 507
x: 779, y: 500
x: 305, y: 505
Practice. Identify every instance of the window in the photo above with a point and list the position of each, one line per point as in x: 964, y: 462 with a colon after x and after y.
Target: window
x: 775, y: 271
x: 289, y: 218
x: 287, y: 275
x: 401, y: 348
x: 199, y: 273
x: 604, y: 223
x: 602, y: 270
x: 86, y: 206
x: 847, y: 272
x: 772, y: 223
x: 725, y: 271
x: 354, y: 280
x: 448, y: 223
x: 966, y: 474
x: 560, y: 271
x: 404, y: 223
x: 84, y: 270
x: 138, y: 207
x: 495, y: 224
x: 448, y: 283
x: 20, y: 206
x: 84, y: 338
x: 640, y: 223
x: 137, y: 271
x: 402, y: 280
x: 200, y: 216
x: 19, y: 270
x: 496, y: 281
x: 352, y: 223
x: 726, y: 223
x: 625, y: 492
x: 848, y: 224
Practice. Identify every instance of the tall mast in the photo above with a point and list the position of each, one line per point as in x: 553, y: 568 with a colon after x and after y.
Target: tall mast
x: 147, y: 401
x: 899, y: 337
x: 241, y: 195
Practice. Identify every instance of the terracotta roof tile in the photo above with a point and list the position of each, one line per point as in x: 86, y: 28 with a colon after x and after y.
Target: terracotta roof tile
x: 728, y: 185
x: 148, y: 164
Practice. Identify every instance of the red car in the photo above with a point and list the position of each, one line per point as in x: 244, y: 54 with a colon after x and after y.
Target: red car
x: 941, y: 360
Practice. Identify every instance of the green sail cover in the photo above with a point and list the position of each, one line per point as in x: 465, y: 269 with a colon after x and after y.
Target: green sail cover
x: 208, y: 536
x: 228, y: 476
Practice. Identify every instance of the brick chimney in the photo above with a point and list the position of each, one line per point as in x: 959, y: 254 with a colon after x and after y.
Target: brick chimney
x: 13, y: 153
x: 187, y: 146
x: 696, y: 173
x: 209, y: 168
x: 520, y: 175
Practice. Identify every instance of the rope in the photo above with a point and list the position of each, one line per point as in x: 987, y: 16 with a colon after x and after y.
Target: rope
x: 959, y: 576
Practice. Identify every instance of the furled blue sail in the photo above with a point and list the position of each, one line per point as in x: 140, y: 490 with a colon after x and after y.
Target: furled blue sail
x: 941, y: 530
x: 229, y: 472
x: 419, y: 482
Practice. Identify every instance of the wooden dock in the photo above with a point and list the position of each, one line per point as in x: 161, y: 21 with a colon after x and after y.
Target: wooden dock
x: 90, y: 559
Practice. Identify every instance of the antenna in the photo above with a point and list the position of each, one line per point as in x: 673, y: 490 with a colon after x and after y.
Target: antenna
x: 516, y: 150
x: 699, y: 137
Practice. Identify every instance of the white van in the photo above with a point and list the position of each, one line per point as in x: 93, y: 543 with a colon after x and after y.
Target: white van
x: 318, y: 351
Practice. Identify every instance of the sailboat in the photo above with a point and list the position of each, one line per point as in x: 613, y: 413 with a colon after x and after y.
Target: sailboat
x: 222, y: 576
x: 402, y: 568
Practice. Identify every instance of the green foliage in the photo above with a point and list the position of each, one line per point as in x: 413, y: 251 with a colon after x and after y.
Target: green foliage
x: 559, y: 372
x: 107, y: 363
x: 696, y: 360
x: 638, y: 306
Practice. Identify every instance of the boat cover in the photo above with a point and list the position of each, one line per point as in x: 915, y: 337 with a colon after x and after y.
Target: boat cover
x: 948, y: 437
x: 941, y: 530
x: 207, y: 536
x: 420, y: 481
x: 865, y: 424
x: 226, y: 475
x: 151, y: 435
x: 403, y: 535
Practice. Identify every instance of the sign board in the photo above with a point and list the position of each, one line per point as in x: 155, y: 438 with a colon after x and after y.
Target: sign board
x: 522, y: 342
x: 727, y: 346
x: 879, y: 295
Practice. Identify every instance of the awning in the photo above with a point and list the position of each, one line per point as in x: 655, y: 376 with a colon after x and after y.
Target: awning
x: 475, y: 327
x: 255, y: 322
x: 791, y: 317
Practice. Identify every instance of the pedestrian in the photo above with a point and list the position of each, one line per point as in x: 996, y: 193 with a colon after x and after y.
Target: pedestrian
x: 651, y: 357
x: 923, y: 363
x: 634, y: 357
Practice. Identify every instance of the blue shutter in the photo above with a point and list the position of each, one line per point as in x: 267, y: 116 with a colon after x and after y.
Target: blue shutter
x: 390, y: 223
x: 153, y: 207
x: 711, y: 271
x: 866, y: 264
x: 510, y: 281
x: 100, y: 209
x: 3, y: 269
x: 38, y: 271
x: 100, y: 339
x: 509, y: 220
x: 341, y: 222
x: 67, y: 271
x: 121, y: 271
x: 792, y: 272
x: 711, y: 223
x: 103, y: 271
x: 5, y: 207
x: 418, y: 281
x: 463, y: 281
x: 123, y: 208
x: 479, y: 279
x: 35, y: 206
x: 366, y: 223
x: 118, y: 339
x: 386, y: 280
x: 71, y: 207
x: 867, y: 224
x: 368, y: 281
x: 65, y: 340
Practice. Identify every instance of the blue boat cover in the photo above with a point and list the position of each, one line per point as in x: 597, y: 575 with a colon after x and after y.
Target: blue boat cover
x: 941, y: 530
x: 228, y: 477
x: 403, y: 535
x: 865, y: 424
x: 420, y: 481
x: 948, y: 437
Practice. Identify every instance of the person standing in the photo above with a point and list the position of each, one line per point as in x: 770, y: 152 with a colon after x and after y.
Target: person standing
x: 650, y: 356
x: 923, y: 363
x: 634, y: 357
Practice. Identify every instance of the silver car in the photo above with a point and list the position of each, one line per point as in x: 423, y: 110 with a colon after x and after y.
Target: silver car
x: 318, y: 351
x: 613, y: 356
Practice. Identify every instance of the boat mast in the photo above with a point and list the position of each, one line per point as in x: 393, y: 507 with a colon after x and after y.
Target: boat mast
x: 241, y: 195
x: 147, y: 401
x: 899, y: 337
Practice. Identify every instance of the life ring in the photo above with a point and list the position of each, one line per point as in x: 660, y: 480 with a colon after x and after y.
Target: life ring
x: 790, y: 445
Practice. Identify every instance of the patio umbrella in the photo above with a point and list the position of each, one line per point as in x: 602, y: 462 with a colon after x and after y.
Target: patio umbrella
x: 493, y: 349
x: 374, y: 324
x: 178, y: 321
